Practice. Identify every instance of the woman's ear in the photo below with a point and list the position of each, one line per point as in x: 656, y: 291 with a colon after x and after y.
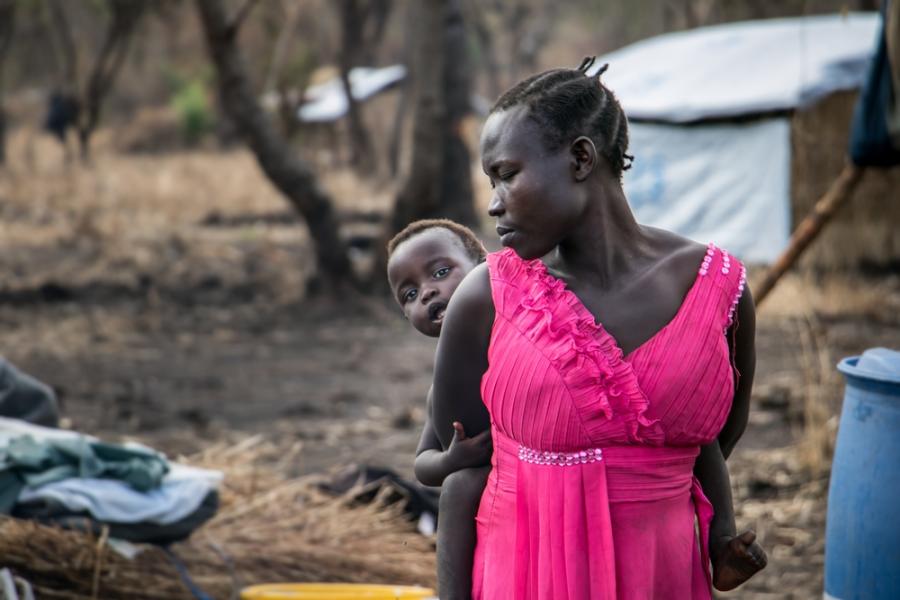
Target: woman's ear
x: 584, y: 157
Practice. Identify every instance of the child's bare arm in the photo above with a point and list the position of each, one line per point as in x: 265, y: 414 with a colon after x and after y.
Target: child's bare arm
x: 711, y: 472
x: 742, y: 337
x: 429, y: 467
x: 433, y: 464
x: 735, y: 557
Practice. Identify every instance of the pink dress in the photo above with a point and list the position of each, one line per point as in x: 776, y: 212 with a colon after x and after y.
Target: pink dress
x: 592, y: 494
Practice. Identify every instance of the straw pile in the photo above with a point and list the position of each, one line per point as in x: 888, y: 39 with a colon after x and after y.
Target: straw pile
x: 269, y: 528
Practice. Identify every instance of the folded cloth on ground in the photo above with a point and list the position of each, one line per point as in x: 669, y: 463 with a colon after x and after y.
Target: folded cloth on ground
x: 112, y: 501
x: 25, y: 461
x: 146, y: 532
x: 148, y: 488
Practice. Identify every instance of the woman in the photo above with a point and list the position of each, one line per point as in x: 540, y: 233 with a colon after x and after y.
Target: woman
x: 606, y: 358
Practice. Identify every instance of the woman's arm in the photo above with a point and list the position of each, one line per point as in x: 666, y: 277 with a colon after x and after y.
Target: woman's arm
x: 742, y: 338
x: 461, y: 358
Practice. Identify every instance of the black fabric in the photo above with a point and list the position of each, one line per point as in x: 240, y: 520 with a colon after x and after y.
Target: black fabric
x: 24, y: 397
x: 52, y: 513
x: 870, y: 139
x: 368, y: 481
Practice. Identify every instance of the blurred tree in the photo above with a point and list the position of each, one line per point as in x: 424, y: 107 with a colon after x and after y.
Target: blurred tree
x: 362, y: 26
x: 476, y: 14
x: 7, y: 21
x: 439, y: 183
x: 288, y: 173
x: 123, y: 19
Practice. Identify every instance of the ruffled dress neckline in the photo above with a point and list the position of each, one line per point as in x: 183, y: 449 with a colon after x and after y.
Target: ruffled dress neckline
x: 601, y: 382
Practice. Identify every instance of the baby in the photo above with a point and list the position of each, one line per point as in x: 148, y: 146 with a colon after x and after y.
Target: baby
x: 426, y: 263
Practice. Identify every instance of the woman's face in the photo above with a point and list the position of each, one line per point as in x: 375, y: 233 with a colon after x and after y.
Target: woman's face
x: 536, y: 202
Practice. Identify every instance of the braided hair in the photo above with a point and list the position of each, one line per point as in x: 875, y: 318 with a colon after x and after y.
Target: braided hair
x: 567, y: 103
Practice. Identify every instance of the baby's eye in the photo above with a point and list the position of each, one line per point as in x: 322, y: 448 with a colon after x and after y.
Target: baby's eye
x: 410, y: 295
x: 441, y: 273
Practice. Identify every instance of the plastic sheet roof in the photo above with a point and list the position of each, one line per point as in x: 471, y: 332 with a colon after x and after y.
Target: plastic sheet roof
x: 742, y: 68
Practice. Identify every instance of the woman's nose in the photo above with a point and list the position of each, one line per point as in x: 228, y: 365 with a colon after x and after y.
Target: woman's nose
x: 495, y: 208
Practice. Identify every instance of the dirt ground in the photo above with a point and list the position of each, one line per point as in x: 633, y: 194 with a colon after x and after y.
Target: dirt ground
x: 163, y: 297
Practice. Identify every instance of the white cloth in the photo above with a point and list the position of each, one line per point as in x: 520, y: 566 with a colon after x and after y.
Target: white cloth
x: 724, y: 183
x: 181, y: 493
x: 182, y: 490
x: 742, y: 68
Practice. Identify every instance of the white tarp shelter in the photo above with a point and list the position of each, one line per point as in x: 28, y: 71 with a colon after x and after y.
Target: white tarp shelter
x: 328, y: 102
x: 709, y: 115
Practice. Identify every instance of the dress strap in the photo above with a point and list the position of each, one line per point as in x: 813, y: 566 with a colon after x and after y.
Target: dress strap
x: 728, y: 276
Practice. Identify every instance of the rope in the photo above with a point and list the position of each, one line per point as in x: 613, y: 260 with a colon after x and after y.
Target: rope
x: 185, y: 577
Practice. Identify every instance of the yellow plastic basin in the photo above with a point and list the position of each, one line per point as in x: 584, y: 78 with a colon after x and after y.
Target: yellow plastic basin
x: 334, y: 591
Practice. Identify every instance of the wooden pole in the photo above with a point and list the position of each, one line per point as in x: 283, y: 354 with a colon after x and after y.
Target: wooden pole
x: 838, y: 194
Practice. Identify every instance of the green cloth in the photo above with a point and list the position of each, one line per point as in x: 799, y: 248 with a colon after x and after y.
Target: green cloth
x: 27, y: 462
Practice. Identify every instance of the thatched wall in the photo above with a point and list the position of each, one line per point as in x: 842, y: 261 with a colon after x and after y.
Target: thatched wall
x: 867, y: 231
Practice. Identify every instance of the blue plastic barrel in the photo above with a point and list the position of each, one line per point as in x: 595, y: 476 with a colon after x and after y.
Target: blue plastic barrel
x: 862, y: 533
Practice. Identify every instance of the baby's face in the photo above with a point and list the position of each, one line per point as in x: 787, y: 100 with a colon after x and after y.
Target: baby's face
x: 423, y: 272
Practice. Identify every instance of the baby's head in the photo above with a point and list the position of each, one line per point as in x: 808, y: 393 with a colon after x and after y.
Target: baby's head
x: 426, y: 263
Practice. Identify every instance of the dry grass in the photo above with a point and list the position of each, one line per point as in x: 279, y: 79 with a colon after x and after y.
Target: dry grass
x: 801, y: 302
x: 269, y: 528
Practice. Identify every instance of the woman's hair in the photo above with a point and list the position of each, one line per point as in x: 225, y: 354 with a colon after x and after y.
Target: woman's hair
x: 470, y: 242
x: 567, y: 103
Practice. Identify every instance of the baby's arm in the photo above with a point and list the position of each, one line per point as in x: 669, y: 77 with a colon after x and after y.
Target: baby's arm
x: 433, y: 464
x: 735, y: 557
x: 429, y: 466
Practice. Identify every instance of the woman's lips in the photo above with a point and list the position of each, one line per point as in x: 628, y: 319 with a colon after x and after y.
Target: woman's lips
x: 505, y: 234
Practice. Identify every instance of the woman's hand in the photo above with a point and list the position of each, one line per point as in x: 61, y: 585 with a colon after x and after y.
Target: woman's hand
x: 466, y: 452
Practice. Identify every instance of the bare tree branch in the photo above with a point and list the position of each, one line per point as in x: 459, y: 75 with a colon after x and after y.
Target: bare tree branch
x: 123, y: 22
x: 234, y: 24
x: 279, y: 53
x: 7, y: 22
x: 67, y: 53
x: 285, y: 170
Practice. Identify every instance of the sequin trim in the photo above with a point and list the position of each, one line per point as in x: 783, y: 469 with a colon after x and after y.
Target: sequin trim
x: 710, y: 252
x: 559, y: 459
x: 737, y: 296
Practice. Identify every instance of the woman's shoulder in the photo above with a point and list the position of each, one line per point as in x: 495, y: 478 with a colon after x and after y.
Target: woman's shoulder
x: 677, y: 257
x: 710, y: 268
x: 472, y: 302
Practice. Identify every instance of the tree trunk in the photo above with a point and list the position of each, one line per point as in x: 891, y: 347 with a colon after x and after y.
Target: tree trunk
x: 287, y: 172
x: 7, y: 17
x: 477, y: 18
x: 439, y: 183
x: 352, y: 24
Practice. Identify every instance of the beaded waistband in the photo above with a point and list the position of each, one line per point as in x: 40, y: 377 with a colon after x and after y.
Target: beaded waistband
x: 560, y: 459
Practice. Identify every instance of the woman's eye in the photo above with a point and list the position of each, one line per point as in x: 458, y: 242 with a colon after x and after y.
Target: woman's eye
x: 493, y: 185
x: 442, y: 272
x: 410, y: 295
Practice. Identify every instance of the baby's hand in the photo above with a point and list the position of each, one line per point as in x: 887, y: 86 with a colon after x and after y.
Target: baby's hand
x: 736, y: 559
x: 465, y: 452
